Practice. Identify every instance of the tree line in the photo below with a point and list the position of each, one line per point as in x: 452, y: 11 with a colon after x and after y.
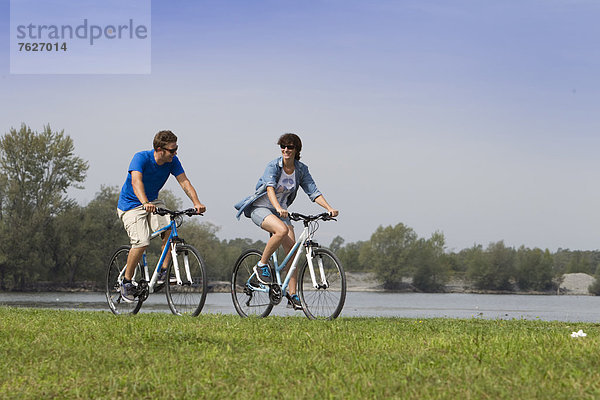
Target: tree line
x: 46, y: 237
x: 395, y: 253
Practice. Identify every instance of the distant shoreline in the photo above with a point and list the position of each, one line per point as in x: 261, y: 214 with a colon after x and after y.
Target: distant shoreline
x: 575, y: 284
x: 571, y: 284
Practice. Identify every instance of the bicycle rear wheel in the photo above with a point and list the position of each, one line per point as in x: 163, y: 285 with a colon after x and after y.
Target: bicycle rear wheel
x: 323, y: 302
x: 117, y: 263
x: 249, y: 297
x: 189, y: 297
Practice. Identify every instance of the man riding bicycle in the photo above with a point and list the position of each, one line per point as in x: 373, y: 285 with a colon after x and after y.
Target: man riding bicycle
x: 148, y: 172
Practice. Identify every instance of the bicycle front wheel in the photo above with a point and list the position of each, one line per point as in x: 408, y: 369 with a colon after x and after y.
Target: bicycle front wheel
x: 327, y: 300
x: 250, y: 298
x: 188, y: 297
x: 117, y: 264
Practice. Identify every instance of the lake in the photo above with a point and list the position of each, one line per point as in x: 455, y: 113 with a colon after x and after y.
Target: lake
x: 363, y: 304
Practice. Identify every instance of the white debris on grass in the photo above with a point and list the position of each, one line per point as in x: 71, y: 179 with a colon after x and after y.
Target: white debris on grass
x: 579, y: 333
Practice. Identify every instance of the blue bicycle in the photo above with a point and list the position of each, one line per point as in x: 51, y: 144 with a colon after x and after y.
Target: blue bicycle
x: 185, y: 282
x: 321, y: 279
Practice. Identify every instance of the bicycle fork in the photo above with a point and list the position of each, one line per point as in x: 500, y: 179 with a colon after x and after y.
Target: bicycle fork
x: 186, y: 266
x: 310, y: 257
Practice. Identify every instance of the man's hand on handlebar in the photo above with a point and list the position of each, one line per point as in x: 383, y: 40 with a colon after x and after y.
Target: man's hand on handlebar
x: 149, y: 207
x: 200, y: 208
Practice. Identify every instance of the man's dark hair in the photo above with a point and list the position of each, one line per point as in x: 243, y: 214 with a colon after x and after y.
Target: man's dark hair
x: 162, y: 138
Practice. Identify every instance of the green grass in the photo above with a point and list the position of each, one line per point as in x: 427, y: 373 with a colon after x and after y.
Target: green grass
x: 74, y: 354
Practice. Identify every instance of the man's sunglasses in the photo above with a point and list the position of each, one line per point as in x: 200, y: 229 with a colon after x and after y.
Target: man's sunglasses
x: 288, y: 146
x: 172, y: 151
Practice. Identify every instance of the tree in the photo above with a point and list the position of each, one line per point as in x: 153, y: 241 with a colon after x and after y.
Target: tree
x: 36, y: 170
x: 3, y: 230
x: 431, y: 266
x: 594, y: 288
x: 68, y: 246
x: 349, y: 255
x: 534, y: 269
x: 87, y: 236
x: 580, y: 262
x: 389, y: 253
x: 336, y: 244
x: 492, y: 269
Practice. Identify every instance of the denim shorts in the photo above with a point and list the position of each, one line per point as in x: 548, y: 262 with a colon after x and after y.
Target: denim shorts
x: 258, y: 215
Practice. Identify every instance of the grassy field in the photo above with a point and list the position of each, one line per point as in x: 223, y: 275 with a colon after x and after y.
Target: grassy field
x: 74, y: 354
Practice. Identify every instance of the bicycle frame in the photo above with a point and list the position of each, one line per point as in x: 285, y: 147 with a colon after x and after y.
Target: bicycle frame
x: 171, y: 246
x: 306, y: 239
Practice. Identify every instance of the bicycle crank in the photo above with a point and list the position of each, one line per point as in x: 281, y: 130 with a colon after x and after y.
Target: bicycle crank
x: 143, y: 291
x: 275, y: 294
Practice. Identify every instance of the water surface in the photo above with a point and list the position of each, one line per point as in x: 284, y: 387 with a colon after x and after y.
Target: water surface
x: 363, y: 304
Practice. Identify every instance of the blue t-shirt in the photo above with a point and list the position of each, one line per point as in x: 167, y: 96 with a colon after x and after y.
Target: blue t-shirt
x: 154, y: 177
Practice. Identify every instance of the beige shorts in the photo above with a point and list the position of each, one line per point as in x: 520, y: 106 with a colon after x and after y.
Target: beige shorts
x: 139, y: 224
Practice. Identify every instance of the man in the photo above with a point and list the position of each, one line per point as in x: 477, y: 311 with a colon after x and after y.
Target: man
x: 148, y: 173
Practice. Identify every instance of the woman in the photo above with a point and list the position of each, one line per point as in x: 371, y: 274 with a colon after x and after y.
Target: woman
x: 267, y: 207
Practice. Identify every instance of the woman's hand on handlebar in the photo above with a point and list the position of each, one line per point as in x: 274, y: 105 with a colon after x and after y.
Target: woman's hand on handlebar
x: 283, y: 213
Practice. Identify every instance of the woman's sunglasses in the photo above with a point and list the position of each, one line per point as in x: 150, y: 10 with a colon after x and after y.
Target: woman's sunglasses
x: 288, y: 146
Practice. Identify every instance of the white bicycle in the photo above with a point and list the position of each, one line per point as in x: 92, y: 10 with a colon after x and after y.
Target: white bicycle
x: 321, y: 279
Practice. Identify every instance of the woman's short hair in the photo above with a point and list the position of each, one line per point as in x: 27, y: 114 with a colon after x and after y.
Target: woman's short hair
x: 291, y: 139
x: 162, y: 138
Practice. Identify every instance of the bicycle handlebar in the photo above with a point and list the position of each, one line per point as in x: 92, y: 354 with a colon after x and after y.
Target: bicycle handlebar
x: 189, y: 212
x: 301, y: 217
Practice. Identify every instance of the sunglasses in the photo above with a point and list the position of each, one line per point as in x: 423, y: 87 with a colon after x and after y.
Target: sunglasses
x: 288, y: 146
x: 172, y: 151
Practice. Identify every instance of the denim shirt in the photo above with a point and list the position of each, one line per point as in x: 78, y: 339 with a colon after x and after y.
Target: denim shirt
x: 271, y: 177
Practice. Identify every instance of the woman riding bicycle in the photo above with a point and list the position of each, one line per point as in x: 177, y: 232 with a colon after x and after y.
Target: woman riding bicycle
x: 267, y: 207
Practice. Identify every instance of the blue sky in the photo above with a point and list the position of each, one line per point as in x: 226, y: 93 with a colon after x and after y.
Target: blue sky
x: 474, y: 118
